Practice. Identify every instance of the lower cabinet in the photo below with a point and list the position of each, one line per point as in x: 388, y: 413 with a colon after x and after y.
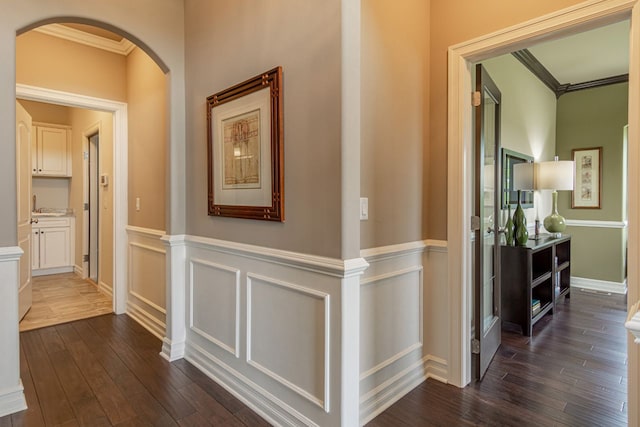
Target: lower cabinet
x: 52, y: 246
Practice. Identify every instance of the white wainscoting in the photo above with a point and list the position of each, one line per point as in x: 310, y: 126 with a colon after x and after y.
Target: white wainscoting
x: 266, y: 324
x: 12, y: 397
x: 146, y: 284
x: 404, y: 336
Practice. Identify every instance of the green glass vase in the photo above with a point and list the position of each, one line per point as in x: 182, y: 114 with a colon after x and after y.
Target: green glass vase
x: 520, y: 225
x: 508, y: 227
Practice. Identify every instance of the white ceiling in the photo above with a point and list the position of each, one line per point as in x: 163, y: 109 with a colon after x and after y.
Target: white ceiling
x: 595, y: 54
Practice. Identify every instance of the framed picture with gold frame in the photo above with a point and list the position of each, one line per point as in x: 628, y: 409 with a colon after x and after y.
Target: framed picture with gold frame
x: 245, y: 149
x: 587, y: 187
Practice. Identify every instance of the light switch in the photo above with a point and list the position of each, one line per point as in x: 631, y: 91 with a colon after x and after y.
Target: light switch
x: 137, y: 204
x: 364, y: 208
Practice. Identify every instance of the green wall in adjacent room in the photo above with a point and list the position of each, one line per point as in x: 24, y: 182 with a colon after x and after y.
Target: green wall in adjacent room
x: 586, y: 119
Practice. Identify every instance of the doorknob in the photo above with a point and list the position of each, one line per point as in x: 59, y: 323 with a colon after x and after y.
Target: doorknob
x: 500, y: 230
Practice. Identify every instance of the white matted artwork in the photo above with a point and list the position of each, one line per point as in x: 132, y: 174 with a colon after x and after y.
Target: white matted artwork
x: 245, y: 149
x: 587, y: 188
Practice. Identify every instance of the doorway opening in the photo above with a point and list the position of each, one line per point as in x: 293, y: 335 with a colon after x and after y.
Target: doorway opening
x: 461, y: 57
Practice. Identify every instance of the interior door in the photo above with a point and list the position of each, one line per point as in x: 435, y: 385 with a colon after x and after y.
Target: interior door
x: 23, y: 179
x: 487, y: 324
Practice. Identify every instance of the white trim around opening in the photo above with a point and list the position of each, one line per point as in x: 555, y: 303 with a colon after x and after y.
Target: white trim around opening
x: 120, y: 173
x: 581, y: 17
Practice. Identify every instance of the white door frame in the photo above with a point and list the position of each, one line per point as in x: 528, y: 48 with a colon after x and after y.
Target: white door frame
x: 120, y: 173
x: 584, y: 16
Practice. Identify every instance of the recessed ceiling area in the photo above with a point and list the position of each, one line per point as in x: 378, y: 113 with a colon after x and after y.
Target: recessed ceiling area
x: 592, y: 55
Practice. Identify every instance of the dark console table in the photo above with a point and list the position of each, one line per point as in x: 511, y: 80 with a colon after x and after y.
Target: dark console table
x: 539, y: 272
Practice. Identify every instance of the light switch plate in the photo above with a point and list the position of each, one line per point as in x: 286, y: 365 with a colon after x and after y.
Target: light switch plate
x: 364, y: 208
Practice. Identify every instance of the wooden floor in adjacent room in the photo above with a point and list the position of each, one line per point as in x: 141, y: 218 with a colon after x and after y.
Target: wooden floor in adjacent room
x: 106, y: 371
x: 60, y: 298
x: 572, y: 372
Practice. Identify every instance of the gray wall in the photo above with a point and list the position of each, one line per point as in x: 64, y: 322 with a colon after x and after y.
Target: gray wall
x: 252, y: 38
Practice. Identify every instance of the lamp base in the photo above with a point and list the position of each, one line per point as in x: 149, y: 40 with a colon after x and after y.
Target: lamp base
x: 555, y: 224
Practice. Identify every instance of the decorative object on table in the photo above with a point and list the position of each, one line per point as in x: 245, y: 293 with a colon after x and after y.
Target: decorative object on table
x: 587, y: 191
x: 245, y: 137
x: 523, y: 180
x: 511, y: 158
x: 520, y: 225
x: 557, y: 176
x: 508, y: 227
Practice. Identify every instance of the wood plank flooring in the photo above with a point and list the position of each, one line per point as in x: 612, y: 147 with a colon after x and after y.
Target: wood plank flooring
x: 60, y: 298
x: 571, y: 372
x: 106, y: 371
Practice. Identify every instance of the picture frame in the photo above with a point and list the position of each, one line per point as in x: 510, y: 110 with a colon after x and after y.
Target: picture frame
x: 587, y: 178
x: 245, y: 149
x: 510, y: 194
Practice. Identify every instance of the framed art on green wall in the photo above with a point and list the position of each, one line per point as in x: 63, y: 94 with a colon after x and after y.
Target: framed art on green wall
x: 587, y: 185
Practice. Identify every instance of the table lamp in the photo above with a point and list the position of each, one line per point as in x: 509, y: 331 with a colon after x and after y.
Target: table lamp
x: 557, y: 176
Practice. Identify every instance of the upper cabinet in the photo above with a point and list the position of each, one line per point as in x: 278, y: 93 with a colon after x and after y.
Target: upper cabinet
x: 51, y: 150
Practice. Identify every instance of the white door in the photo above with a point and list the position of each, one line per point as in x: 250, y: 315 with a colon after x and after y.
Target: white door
x: 23, y: 179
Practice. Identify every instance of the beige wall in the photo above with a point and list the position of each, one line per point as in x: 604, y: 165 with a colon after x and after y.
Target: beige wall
x: 395, y: 76
x: 83, y: 123
x: 229, y: 42
x: 55, y: 63
x: 454, y: 22
x: 47, y: 113
x: 146, y: 108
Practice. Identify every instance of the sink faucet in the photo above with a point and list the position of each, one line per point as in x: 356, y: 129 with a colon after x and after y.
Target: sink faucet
x: 34, y: 203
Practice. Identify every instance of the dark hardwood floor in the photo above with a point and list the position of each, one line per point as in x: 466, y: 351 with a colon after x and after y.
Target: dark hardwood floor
x: 106, y: 371
x: 572, y: 371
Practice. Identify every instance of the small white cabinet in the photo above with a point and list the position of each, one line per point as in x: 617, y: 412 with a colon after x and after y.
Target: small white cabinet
x: 51, y: 150
x: 52, y: 246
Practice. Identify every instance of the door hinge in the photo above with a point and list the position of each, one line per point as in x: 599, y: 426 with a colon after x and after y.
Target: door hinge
x: 477, y: 99
x: 85, y: 155
x: 85, y: 258
x: 86, y: 206
x: 475, y: 223
x: 475, y: 346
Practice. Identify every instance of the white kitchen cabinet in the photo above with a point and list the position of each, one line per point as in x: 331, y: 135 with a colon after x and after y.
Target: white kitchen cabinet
x: 51, y: 150
x: 52, y: 246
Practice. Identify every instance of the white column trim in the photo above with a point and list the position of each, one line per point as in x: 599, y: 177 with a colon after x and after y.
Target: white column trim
x: 12, y: 400
x: 633, y: 321
x: 174, y: 342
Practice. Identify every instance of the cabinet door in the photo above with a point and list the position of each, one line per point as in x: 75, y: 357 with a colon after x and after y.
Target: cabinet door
x: 52, y: 151
x: 54, y: 247
x: 35, y: 249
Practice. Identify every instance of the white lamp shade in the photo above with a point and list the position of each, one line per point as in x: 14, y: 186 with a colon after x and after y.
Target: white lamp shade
x: 555, y: 175
x: 523, y: 176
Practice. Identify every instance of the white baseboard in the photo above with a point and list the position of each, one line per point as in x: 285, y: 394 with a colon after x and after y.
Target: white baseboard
x: 105, y: 289
x: 386, y: 394
x: 172, y: 350
x: 146, y: 320
x: 12, y: 400
x: 78, y: 270
x: 268, y: 406
x: 47, y: 271
x: 599, y: 285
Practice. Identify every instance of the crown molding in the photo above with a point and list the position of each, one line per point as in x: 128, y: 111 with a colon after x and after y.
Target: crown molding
x: 532, y: 64
x: 123, y: 47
